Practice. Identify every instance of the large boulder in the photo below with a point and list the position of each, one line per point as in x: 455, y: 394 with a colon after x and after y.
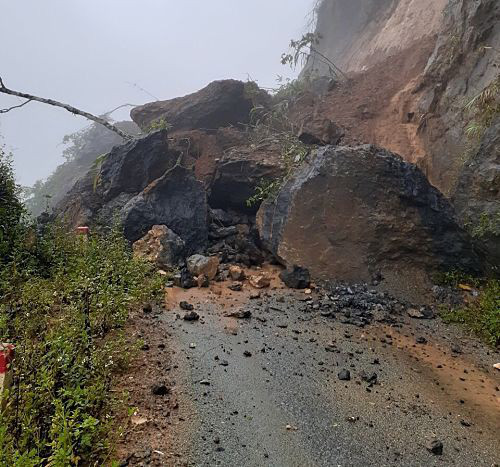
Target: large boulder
x: 161, y: 246
x: 177, y: 200
x: 221, y: 103
x: 121, y: 174
x: 362, y: 213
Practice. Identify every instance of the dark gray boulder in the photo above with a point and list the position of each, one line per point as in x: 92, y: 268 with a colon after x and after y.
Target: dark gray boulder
x: 177, y: 200
x: 354, y: 213
x: 296, y: 278
x: 125, y: 171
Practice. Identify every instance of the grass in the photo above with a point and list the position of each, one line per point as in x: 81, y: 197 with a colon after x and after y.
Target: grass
x: 64, y: 302
x: 482, y: 314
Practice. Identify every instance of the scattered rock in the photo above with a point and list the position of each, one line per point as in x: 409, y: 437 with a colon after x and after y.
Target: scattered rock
x: 260, y: 281
x: 236, y: 287
x: 199, y: 264
x: 240, y: 314
x: 319, y: 131
x: 247, y: 353
x: 421, y: 340
x: 370, y: 378
x: 296, y: 278
x: 496, y: 366
x: 236, y: 273
x: 191, y: 316
x: 205, y: 382
x: 160, y: 389
x: 254, y: 295
x: 137, y: 420
x: 344, y: 375
x: 203, y: 281
x: 422, y: 313
x: 186, y: 306
x: 435, y: 446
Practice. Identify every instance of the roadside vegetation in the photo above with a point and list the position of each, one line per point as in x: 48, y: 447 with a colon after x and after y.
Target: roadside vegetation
x: 64, y: 301
x: 481, y: 313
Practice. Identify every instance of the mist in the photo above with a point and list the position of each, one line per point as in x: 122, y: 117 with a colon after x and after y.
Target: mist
x: 97, y: 55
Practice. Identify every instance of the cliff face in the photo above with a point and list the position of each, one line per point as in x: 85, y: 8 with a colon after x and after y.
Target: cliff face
x: 356, y: 34
x: 413, y: 66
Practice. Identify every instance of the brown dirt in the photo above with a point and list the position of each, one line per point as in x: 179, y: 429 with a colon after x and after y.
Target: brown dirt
x: 145, y: 418
x: 379, y: 105
x: 462, y: 382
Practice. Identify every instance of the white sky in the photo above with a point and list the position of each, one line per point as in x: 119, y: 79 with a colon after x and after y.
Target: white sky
x: 86, y: 52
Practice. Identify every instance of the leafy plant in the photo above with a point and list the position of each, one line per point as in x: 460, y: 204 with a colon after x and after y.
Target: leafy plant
x: 483, y: 108
x: 487, y: 225
x: 158, y: 124
x: 481, y: 315
x: 306, y: 48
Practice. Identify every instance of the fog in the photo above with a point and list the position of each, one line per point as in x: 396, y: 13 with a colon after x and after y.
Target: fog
x: 98, y: 54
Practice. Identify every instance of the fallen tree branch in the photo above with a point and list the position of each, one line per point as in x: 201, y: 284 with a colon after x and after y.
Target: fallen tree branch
x: 69, y: 108
x: 4, y: 111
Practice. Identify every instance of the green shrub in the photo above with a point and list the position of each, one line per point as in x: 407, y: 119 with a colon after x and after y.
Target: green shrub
x: 11, y: 208
x: 64, y: 302
x: 482, y: 313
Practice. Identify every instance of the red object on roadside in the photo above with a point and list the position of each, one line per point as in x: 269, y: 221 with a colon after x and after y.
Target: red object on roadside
x: 6, y: 356
x: 84, y: 230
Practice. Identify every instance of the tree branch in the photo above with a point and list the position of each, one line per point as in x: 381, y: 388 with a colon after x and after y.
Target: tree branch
x: 69, y: 108
x: 4, y: 111
x: 107, y: 114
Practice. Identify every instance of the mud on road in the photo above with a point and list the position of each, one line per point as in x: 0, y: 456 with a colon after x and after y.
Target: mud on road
x: 265, y: 390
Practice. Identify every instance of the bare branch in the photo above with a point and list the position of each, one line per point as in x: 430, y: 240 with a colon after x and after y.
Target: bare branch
x: 69, y: 108
x: 107, y: 114
x: 4, y: 111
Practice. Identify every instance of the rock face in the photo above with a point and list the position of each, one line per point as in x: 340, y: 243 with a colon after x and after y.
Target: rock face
x: 457, y: 71
x: 477, y: 197
x: 355, y: 213
x: 175, y: 199
x: 240, y: 171
x: 220, y: 104
x: 160, y: 246
x: 355, y: 34
x: 320, y: 131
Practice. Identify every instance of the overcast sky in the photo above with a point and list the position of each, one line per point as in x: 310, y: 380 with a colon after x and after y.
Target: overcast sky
x: 90, y: 53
